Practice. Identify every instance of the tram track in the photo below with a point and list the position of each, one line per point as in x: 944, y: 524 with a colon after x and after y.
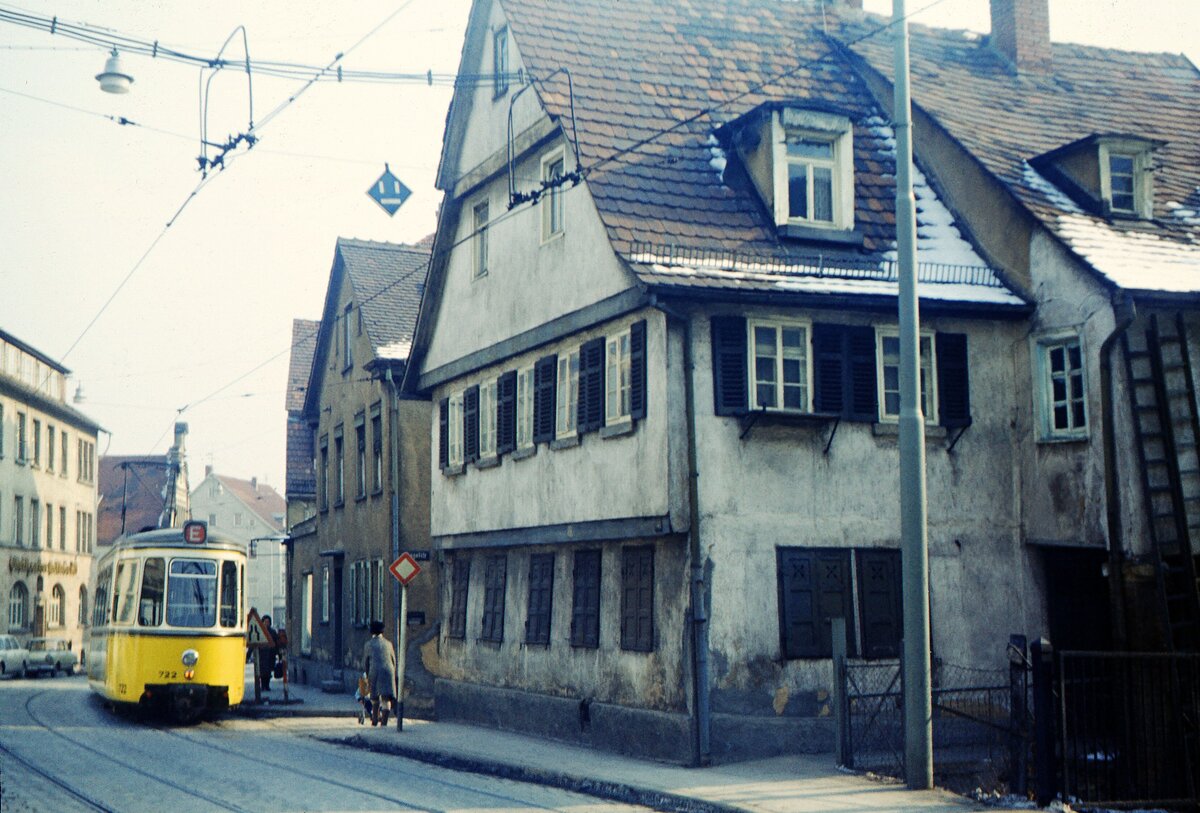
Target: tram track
x: 92, y: 804
x: 218, y: 804
x: 416, y: 776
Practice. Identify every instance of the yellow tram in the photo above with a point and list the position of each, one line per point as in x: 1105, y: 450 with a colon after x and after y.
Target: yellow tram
x: 168, y: 623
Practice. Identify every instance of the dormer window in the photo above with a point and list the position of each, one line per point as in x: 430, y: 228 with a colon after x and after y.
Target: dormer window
x: 801, y: 163
x: 1125, y: 182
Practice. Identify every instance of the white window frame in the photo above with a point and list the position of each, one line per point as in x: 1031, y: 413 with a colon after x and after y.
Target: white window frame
x: 525, y: 383
x: 818, y: 126
x: 479, y: 238
x: 1143, y: 194
x: 500, y: 60
x: 487, y: 419
x: 454, y: 427
x: 56, y: 608
x: 18, y: 606
x: 347, y: 356
x: 551, y: 202
x: 325, y: 594
x: 306, y: 617
x: 1043, y: 347
x: 567, y: 400
x: 618, y: 378
x: 778, y: 326
x: 927, y: 367
x: 377, y: 593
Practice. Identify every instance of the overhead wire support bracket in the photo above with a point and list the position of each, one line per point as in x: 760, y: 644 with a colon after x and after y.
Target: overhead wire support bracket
x: 516, y: 198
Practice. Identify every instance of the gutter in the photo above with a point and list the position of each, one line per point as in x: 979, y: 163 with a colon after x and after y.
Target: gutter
x: 1125, y: 312
x: 701, y: 712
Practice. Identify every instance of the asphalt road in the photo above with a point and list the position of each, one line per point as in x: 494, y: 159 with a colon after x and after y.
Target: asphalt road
x: 62, y: 749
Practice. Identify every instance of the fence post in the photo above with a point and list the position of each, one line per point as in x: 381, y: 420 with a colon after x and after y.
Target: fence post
x: 1018, y: 768
x: 1042, y: 655
x: 841, y: 702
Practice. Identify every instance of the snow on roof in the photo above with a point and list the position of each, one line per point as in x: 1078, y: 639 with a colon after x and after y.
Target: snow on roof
x: 1132, y: 260
x: 938, y: 239
x: 395, y: 350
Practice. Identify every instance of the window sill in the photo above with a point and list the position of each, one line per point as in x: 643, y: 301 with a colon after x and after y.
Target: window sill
x: 360, y: 498
x: 489, y: 462
x: 770, y: 417
x: 489, y: 643
x: 521, y: 454
x: 622, y: 427
x: 339, y: 504
x: 564, y: 442
x: 377, y: 492
x: 1055, y: 440
x: 821, y: 234
x: 454, y: 471
x: 547, y: 239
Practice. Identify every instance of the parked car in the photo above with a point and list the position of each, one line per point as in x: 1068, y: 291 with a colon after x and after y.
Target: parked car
x: 51, y: 655
x: 14, y: 658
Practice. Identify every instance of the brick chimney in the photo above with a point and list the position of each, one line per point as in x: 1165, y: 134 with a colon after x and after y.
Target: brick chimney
x: 254, y: 484
x: 1021, y: 31
x: 208, y: 471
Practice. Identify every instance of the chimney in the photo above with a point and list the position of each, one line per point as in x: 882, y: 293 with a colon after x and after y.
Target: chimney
x: 1021, y: 31
x: 254, y: 484
x: 208, y: 471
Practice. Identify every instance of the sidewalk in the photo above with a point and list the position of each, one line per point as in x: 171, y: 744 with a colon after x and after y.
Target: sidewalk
x: 793, y: 784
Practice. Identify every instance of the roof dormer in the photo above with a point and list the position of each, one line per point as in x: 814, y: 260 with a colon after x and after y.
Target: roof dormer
x: 1109, y: 174
x: 801, y: 163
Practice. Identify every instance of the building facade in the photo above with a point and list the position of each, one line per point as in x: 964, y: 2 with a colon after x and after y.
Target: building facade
x: 370, y: 486
x: 252, y: 513
x: 665, y: 454
x: 47, y: 497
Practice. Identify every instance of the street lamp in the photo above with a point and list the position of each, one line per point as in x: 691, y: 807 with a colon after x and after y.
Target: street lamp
x: 114, y: 79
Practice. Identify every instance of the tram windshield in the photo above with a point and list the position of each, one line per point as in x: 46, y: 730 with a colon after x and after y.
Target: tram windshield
x: 192, y: 593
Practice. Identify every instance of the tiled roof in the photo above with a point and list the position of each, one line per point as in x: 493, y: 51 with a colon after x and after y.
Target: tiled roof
x: 136, y: 483
x: 641, y: 66
x: 258, y: 497
x: 388, y: 281
x: 304, y: 345
x: 1006, y: 119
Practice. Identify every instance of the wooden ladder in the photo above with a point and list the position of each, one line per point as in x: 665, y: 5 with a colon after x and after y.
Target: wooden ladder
x: 1162, y: 396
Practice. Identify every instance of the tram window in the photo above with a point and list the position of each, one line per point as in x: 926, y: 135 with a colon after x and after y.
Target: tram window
x: 126, y: 590
x: 229, y: 594
x: 100, y: 602
x: 154, y: 576
x: 192, y: 593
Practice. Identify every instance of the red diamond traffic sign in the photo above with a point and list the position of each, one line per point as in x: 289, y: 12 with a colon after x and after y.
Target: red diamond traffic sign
x: 405, y: 568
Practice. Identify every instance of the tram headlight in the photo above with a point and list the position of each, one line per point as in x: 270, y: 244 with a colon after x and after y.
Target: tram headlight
x: 190, y: 656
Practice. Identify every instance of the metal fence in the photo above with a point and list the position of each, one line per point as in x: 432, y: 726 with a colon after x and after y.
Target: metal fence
x: 1128, y: 731
x: 972, y: 722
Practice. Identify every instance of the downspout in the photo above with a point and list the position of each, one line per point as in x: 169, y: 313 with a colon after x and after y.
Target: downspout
x: 701, y: 713
x: 393, y: 436
x: 1124, y: 312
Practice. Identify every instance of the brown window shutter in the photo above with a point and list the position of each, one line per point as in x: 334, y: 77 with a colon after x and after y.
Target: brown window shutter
x: 471, y: 424
x: 590, y: 415
x: 444, y: 433
x: 954, y: 391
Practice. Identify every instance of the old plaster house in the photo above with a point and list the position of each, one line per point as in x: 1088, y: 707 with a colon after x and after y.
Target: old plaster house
x: 366, y: 499
x: 660, y: 341
x: 252, y: 513
x: 47, y: 496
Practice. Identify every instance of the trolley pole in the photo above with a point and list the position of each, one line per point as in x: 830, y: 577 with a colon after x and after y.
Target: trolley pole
x: 914, y: 543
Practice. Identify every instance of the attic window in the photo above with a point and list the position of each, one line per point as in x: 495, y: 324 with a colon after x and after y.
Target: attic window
x: 813, y: 158
x: 1125, y: 180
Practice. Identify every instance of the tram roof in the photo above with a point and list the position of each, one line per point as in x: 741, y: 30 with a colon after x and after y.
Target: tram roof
x: 173, y: 538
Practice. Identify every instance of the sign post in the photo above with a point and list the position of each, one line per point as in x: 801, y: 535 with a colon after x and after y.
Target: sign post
x: 405, y: 569
x: 256, y: 638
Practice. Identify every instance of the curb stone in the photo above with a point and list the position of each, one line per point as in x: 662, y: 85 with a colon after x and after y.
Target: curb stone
x: 601, y: 789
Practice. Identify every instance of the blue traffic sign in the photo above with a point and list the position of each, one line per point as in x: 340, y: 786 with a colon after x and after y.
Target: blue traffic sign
x: 389, y: 191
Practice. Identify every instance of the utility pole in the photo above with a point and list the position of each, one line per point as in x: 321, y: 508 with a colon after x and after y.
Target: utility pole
x: 914, y: 543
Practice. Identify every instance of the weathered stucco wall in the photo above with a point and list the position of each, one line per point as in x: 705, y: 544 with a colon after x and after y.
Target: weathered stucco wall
x: 654, y: 680
x: 528, y: 281
x: 600, y: 478
x: 776, y: 487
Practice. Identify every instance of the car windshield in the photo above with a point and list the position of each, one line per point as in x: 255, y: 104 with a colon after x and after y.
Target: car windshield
x: 38, y: 646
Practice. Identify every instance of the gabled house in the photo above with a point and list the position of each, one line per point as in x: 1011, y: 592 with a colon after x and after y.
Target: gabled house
x: 664, y: 452
x: 370, y: 485
x: 252, y: 513
x: 143, y: 492
x: 300, y: 473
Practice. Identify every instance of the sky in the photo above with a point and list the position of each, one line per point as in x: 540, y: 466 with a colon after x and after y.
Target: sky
x: 193, y: 322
